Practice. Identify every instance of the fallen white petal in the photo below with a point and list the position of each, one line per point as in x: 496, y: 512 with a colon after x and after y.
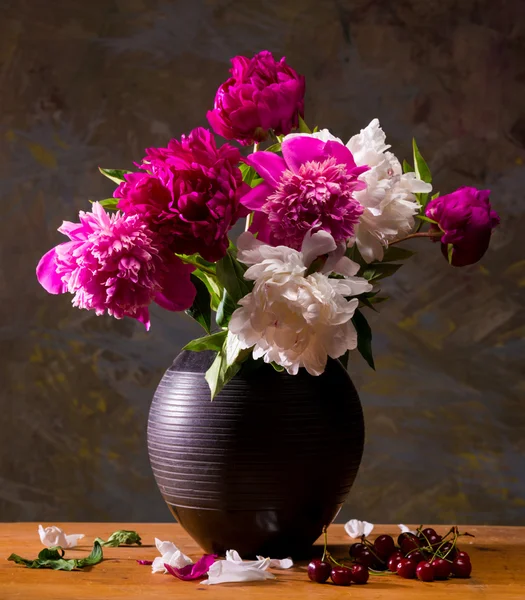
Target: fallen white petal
x: 170, y: 555
x: 260, y: 563
x: 54, y: 536
x: 229, y: 571
x: 355, y: 528
x: 405, y: 529
x: 276, y: 563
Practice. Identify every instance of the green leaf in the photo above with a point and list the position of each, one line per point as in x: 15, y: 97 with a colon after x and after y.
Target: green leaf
x: 200, y: 310
x: 108, y: 203
x: 209, y: 342
x: 303, y: 127
x: 434, y: 196
x: 378, y: 299
x: 277, y: 367
x: 421, y: 167
x: 225, y: 310
x: 364, y: 337
x: 52, y: 558
x: 396, y: 253
x: 377, y: 271
x: 226, y: 364
x: 274, y: 148
x: 407, y: 167
x: 212, y: 284
x: 450, y: 253
x: 230, y: 273
x: 426, y: 219
x: 363, y: 301
x: 122, y: 537
x: 198, y: 261
x: 315, y: 129
x: 116, y: 175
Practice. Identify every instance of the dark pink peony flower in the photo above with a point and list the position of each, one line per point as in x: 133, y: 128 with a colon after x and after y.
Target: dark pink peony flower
x: 467, y: 220
x: 189, y: 193
x: 261, y: 94
x: 310, y: 188
x: 193, y: 571
x: 116, y: 264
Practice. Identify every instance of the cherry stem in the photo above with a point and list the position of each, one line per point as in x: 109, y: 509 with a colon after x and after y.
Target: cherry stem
x: 428, y: 234
x: 325, y: 533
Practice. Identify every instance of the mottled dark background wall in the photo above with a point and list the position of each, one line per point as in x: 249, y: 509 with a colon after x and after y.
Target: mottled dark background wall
x: 93, y: 83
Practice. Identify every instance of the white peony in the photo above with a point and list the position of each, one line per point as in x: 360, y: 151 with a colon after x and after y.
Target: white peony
x: 292, y: 318
x: 389, y: 200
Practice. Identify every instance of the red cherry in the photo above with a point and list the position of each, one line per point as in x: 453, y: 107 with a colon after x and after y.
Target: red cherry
x: 441, y: 568
x: 425, y: 571
x: 384, y: 546
x: 417, y: 556
x: 461, y: 567
x: 449, y: 550
x: 406, y: 568
x: 409, y: 543
x: 319, y: 571
x: 360, y: 574
x: 355, y: 549
x: 427, y: 532
x: 341, y: 576
x: 463, y: 555
x: 367, y: 559
x: 435, y: 540
x: 393, y: 560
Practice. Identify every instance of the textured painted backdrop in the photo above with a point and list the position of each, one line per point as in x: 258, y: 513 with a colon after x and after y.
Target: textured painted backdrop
x: 93, y: 83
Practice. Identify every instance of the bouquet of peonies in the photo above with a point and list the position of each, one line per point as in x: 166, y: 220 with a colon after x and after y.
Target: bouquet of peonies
x: 323, y: 224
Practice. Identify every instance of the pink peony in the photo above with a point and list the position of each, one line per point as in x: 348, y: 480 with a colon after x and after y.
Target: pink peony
x: 467, y: 220
x: 190, y: 193
x: 116, y: 264
x: 310, y: 188
x: 261, y: 94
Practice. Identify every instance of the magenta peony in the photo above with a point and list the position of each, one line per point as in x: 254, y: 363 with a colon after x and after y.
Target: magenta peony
x: 261, y: 94
x: 189, y: 193
x: 116, y: 264
x: 310, y: 188
x: 467, y: 220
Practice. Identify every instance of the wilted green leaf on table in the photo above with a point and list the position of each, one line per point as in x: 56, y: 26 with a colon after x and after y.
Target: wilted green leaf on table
x: 122, y: 537
x: 52, y: 558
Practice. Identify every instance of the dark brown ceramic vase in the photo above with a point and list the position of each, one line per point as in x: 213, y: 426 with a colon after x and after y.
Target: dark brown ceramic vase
x: 265, y: 465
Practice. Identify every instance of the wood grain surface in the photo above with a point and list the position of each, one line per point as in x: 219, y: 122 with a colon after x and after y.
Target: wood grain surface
x: 497, y: 555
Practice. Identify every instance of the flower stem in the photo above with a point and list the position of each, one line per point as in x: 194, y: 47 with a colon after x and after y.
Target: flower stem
x: 428, y: 234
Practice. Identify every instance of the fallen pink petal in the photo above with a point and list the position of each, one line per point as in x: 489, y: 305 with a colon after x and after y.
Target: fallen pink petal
x: 194, y: 571
x: 145, y: 562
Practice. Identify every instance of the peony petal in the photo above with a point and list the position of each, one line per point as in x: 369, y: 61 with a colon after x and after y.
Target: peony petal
x: 54, y: 536
x: 145, y: 562
x: 269, y: 165
x: 344, y: 266
x: 47, y: 275
x: 355, y: 528
x: 298, y: 150
x: 72, y: 540
x: 225, y: 571
x: 315, y: 245
x: 275, y: 563
x: 178, y: 292
x: 257, y: 196
x: 405, y: 529
x: 193, y: 571
x: 341, y: 153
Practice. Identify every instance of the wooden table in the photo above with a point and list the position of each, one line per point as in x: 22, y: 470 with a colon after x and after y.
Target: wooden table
x: 497, y: 553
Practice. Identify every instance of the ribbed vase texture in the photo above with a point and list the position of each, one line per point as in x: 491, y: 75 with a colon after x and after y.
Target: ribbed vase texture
x: 264, y: 466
